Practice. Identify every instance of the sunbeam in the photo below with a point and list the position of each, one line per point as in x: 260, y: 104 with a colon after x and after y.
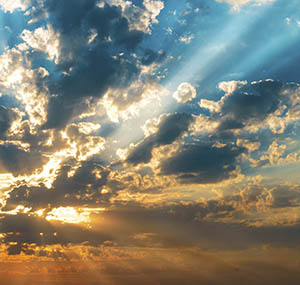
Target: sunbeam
x: 149, y: 142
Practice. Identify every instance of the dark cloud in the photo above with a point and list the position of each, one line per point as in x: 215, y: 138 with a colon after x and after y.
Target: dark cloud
x: 151, y: 215
x: 177, y: 224
x: 151, y: 56
x: 81, y: 188
x: 29, y: 196
x: 194, y: 224
x: 170, y: 128
x: 251, y: 104
x: 22, y: 230
x: 87, y: 68
x: 18, y: 161
x: 202, y: 163
x: 7, y: 116
x: 285, y: 196
x: 230, y: 124
x: 256, y: 100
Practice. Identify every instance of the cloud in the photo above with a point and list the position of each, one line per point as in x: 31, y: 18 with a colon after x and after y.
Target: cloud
x: 92, y: 46
x: 17, y: 161
x: 170, y: 128
x: 252, y: 106
x: 140, y: 18
x: 186, y: 39
x: 185, y: 92
x: 202, y: 163
x: 151, y: 57
x: 23, y: 230
x: 7, y: 117
x: 43, y: 40
x: 25, y: 83
x: 76, y: 187
x: 71, y: 187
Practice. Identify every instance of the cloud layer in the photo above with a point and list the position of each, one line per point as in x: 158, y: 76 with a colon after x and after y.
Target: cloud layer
x: 149, y: 142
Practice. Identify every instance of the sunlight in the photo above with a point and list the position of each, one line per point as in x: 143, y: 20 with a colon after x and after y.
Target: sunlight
x: 19, y: 209
x: 267, y: 51
x: 199, y: 65
x: 206, y: 57
x: 40, y: 212
x: 72, y: 215
x: 68, y: 215
x: 6, y: 179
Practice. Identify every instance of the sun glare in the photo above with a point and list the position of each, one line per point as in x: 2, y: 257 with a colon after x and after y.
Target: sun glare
x: 72, y: 215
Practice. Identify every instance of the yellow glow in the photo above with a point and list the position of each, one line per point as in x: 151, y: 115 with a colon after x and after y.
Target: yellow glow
x: 6, y: 179
x: 151, y: 94
x: 40, y: 212
x: 88, y: 128
x: 47, y: 175
x: 15, y: 77
x: 105, y: 191
x: 68, y: 215
x: 72, y: 215
x: 17, y: 210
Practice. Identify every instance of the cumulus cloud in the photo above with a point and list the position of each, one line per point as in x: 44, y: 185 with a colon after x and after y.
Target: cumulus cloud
x: 26, y: 82
x: 170, y: 128
x: 259, y: 104
x: 79, y: 86
x: 140, y: 18
x: 17, y: 161
x: 185, y: 92
x: 12, y: 5
x: 7, y: 117
x: 23, y: 230
x: 200, y: 163
x: 92, y: 56
x: 43, y: 40
x: 70, y: 188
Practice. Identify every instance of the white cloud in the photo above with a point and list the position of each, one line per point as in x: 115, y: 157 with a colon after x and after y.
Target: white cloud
x: 186, y: 39
x: 11, y: 5
x: 185, y: 92
x: 139, y: 18
x: 42, y: 40
x: 18, y: 77
x: 228, y: 87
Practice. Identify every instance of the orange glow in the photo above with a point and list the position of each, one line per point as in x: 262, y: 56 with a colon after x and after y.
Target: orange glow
x: 72, y: 215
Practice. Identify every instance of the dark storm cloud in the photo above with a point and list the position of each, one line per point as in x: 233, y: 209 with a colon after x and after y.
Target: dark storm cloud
x: 87, y: 68
x: 170, y: 128
x: 202, y: 163
x: 18, y: 161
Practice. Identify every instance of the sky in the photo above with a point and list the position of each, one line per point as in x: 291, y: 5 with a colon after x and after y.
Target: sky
x: 149, y: 142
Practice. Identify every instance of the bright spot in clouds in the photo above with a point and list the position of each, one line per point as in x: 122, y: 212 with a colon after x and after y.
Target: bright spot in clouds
x: 185, y: 92
x: 72, y: 215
